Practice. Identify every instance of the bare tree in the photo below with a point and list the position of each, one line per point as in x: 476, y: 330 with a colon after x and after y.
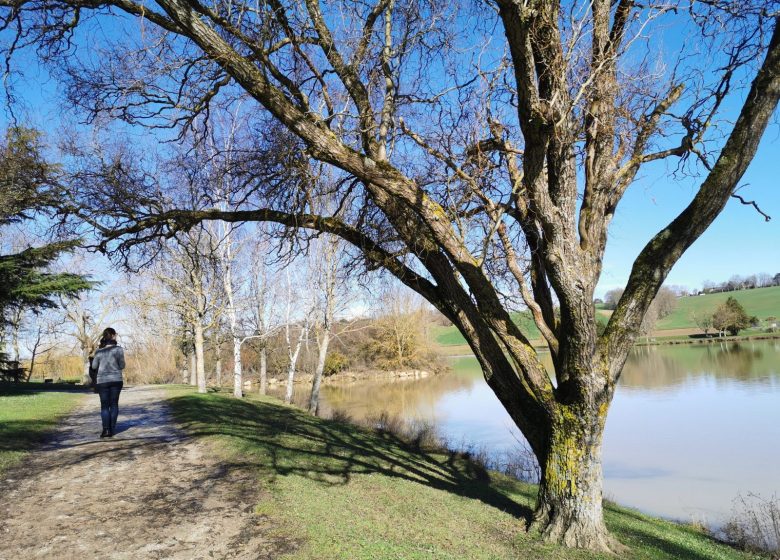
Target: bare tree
x: 187, y: 272
x: 86, y: 321
x: 263, y: 307
x: 292, y: 321
x: 504, y: 172
x: 703, y: 320
x: 330, y: 286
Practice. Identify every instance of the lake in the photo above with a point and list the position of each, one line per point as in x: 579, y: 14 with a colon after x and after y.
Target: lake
x: 691, y: 426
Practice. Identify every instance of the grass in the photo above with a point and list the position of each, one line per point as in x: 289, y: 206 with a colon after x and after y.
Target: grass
x: 338, y: 491
x: 27, y: 412
x: 761, y: 302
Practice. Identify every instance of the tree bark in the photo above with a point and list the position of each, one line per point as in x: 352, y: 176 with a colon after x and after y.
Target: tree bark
x: 288, y: 395
x: 569, y: 503
x: 200, y: 366
x: 314, y: 399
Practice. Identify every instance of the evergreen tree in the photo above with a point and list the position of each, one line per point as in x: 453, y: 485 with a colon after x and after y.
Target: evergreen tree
x: 28, y: 190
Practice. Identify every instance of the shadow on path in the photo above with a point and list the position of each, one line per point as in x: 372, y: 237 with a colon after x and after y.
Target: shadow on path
x: 148, y: 492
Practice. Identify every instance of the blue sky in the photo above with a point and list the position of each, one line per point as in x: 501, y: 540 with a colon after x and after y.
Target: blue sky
x: 739, y: 242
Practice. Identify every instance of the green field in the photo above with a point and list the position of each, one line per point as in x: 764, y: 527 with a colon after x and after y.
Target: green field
x: 761, y: 302
x: 333, y: 490
x: 27, y: 412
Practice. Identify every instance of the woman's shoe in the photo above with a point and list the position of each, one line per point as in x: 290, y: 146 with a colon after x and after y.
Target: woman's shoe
x: 110, y: 433
x: 105, y: 433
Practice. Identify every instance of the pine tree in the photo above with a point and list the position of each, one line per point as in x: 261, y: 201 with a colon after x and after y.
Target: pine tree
x: 28, y: 190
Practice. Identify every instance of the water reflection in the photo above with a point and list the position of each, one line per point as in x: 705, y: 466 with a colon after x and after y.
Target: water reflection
x: 663, y: 367
x: 691, y: 426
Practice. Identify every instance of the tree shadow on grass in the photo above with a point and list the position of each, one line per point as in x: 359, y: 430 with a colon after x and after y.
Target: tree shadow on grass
x: 11, y: 389
x: 282, y: 441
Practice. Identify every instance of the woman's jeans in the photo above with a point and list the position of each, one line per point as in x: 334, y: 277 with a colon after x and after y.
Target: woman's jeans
x: 109, y: 403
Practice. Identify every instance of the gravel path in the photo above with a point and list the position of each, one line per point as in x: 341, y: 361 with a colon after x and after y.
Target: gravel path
x: 150, y: 492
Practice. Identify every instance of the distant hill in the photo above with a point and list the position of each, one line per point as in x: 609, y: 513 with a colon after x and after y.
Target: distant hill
x: 761, y: 302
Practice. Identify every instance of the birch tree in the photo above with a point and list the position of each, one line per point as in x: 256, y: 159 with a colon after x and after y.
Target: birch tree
x: 294, y: 299
x: 187, y: 272
x: 330, y: 285
x: 477, y: 164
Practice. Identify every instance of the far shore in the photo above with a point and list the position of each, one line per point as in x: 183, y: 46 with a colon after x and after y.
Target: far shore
x: 463, y: 350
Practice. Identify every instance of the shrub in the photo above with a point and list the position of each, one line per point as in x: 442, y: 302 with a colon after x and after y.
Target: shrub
x: 755, y: 524
x: 335, y: 362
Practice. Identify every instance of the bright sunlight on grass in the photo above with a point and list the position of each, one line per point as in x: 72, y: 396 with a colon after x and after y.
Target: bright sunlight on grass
x: 340, y: 491
x: 27, y: 412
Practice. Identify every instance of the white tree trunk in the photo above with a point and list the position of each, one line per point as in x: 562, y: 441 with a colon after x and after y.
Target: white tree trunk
x: 237, y: 369
x: 200, y: 365
x: 314, y: 399
x: 288, y: 395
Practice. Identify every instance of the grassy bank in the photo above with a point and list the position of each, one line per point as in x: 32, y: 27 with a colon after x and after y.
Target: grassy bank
x: 27, y: 412
x: 333, y: 490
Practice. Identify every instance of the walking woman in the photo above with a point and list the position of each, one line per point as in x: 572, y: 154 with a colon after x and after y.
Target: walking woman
x: 109, y: 361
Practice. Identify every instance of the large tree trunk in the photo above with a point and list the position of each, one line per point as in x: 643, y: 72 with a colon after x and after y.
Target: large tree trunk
x: 569, y: 503
x: 314, y: 399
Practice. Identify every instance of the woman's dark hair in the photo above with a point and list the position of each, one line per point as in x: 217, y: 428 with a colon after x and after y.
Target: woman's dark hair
x: 109, y: 337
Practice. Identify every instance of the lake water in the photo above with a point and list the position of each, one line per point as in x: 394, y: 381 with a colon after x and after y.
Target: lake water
x: 691, y: 426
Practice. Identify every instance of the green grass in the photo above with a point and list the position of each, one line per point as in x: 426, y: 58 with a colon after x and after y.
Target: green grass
x: 27, y: 412
x: 761, y: 302
x: 333, y: 490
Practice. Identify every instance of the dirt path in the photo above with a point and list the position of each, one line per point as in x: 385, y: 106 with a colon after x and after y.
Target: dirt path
x: 150, y: 492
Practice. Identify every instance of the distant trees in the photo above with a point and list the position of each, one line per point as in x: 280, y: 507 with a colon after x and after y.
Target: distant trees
x: 612, y: 297
x: 731, y: 316
x: 703, y: 320
x: 738, y: 282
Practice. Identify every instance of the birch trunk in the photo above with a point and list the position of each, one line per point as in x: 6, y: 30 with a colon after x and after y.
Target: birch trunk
x: 288, y: 395
x: 200, y: 365
x: 314, y: 399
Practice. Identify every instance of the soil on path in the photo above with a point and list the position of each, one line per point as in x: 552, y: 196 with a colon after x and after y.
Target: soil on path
x: 149, y: 492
